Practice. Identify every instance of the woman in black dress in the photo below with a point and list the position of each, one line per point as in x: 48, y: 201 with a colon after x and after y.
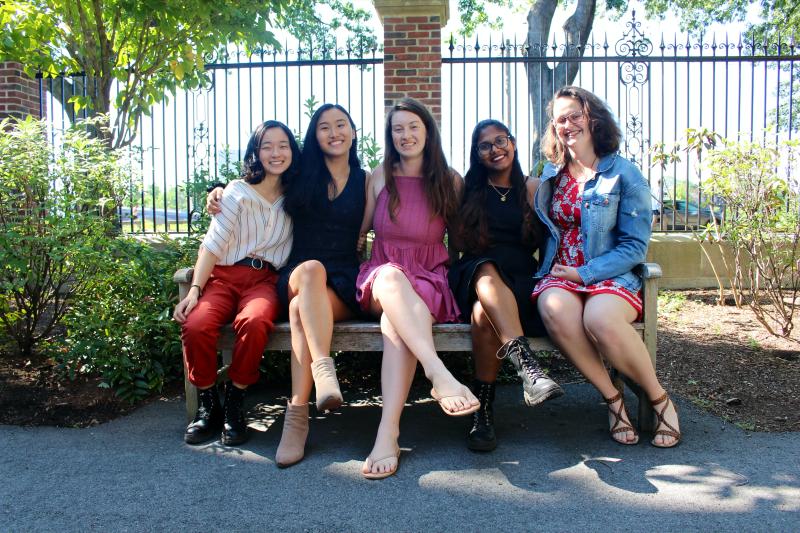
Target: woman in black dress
x: 493, y: 280
x: 326, y: 204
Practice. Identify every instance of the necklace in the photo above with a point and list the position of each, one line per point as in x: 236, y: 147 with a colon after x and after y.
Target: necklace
x: 500, y: 194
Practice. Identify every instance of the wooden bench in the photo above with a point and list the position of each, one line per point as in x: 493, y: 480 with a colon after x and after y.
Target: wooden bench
x: 356, y: 336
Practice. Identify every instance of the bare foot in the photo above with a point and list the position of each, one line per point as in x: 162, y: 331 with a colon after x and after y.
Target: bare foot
x: 383, y: 459
x: 454, y: 397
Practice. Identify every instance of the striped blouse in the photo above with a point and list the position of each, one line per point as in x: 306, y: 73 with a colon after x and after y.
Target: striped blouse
x: 249, y: 226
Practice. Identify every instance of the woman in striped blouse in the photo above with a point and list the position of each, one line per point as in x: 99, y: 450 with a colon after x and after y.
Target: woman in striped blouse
x: 234, y: 280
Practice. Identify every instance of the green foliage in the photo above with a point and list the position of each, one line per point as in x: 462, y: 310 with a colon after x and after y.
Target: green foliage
x: 122, y: 327
x: 53, y: 224
x: 758, y: 184
x: 475, y: 14
x: 670, y: 302
x: 369, y: 151
x: 152, y: 47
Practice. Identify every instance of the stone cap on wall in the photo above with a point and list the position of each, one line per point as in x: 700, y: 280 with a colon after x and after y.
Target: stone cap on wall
x: 404, y: 8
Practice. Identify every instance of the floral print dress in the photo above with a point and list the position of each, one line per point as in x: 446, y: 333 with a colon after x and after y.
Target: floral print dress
x: 565, y: 212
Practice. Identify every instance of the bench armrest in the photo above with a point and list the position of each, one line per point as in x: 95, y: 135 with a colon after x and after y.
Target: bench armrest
x: 650, y: 270
x: 183, y: 277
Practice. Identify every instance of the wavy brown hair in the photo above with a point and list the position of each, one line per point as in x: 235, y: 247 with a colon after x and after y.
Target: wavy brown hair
x: 606, y: 135
x: 473, y: 228
x: 436, y: 174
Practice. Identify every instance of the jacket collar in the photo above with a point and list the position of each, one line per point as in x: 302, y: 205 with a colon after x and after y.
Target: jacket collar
x: 606, y: 162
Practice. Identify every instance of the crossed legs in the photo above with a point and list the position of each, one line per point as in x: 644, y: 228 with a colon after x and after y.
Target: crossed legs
x: 602, y: 326
x: 495, y: 321
x: 313, y: 308
x: 406, y: 325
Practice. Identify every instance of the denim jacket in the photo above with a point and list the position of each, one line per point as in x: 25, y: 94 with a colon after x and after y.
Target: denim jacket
x: 616, y: 219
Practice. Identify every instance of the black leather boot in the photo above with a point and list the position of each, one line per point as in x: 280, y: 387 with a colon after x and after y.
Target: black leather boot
x: 208, y: 419
x: 481, y: 436
x: 234, y: 431
x: 536, y: 385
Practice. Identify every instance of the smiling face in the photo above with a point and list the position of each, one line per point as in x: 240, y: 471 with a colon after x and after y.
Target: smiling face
x: 494, y: 157
x: 408, y: 134
x: 334, y: 133
x: 571, y: 124
x: 275, y: 152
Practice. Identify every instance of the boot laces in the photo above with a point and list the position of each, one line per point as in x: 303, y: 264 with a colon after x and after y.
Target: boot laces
x: 514, y: 348
x: 481, y: 417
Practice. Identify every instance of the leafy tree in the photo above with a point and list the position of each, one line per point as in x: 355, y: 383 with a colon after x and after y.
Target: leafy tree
x: 150, y: 47
x: 578, y: 26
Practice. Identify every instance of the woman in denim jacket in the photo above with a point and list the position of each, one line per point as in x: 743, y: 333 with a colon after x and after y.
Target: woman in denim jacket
x: 596, y: 206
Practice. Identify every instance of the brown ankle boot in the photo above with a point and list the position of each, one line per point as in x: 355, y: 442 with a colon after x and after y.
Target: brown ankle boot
x: 329, y: 396
x: 293, y: 439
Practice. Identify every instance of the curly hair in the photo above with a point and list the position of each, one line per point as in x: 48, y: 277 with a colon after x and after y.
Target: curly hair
x: 473, y: 228
x: 436, y: 174
x: 606, y: 135
x: 253, y: 170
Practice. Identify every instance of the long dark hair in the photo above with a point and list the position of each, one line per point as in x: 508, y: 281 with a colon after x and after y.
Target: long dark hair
x: 606, y: 135
x: 436, y: 175
x: 473, y: 227
x: 310, y: 191
x: 253, y: 170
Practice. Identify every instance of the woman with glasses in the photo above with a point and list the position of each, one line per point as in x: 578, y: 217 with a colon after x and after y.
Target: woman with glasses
x: 493, y: 280
x: 595, y: 205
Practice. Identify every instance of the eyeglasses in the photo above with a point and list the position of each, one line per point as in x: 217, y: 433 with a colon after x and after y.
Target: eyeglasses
x: 576, y: 117
x: 501, y: 141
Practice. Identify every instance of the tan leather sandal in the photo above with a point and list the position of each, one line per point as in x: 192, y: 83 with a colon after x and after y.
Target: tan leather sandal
x: 619, y: 425
x: 671, y: 432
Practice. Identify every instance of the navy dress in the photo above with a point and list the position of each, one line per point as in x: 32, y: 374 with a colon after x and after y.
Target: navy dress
x: 513, y: 259
x: 328, y: 232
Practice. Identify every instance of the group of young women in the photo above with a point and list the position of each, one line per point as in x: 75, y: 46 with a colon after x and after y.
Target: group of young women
x: 286, y: 237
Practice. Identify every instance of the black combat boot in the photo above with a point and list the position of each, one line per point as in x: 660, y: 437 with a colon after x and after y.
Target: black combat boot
x: 208, y: 419
x: 481, y: 436
x: 234, y: 431
x: 536, y: 385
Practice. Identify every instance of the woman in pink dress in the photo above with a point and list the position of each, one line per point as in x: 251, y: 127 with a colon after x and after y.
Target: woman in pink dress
x: 414, y: 195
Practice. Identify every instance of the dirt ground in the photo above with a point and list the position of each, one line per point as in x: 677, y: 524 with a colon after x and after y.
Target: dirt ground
x: 720, y: 358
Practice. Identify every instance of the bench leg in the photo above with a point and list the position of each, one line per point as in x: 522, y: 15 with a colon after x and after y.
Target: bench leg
x: 191, y: 397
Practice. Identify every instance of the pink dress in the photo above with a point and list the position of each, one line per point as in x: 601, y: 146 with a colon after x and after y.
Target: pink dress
x: 412, y: 243
x: 565, y: 212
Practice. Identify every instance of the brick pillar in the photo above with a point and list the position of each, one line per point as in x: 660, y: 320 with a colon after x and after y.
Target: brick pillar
x: 412, y: 55
x: 19, y: 94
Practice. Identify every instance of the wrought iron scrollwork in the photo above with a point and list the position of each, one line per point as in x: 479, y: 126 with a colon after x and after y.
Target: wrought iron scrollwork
x: 633, y: 75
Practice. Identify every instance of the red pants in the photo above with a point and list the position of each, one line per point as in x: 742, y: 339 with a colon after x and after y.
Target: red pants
x: 240, y: 294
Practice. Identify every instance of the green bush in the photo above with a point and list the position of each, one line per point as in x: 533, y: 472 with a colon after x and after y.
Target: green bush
x: 54, y: 224
x: 122, y: 329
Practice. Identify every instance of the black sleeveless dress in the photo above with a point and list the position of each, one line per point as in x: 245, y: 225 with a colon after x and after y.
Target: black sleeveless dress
x: 328, y: 232
x: 511, y: 257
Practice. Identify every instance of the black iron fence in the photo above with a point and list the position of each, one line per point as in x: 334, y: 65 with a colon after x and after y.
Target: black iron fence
x: 198, y: 136
x: 657, y: 86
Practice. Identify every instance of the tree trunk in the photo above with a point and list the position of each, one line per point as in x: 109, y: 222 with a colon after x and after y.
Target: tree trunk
x: 543, y: 81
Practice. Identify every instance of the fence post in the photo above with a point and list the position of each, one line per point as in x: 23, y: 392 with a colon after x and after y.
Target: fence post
x: 412, y: 55
x: 19, y: 94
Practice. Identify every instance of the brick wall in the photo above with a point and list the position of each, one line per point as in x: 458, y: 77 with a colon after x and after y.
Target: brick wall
x: 412, y: 60
x: 19, y: 94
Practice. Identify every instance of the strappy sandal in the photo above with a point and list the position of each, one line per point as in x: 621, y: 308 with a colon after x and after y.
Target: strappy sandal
x: 619, y: 425
x: 671, y: 432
